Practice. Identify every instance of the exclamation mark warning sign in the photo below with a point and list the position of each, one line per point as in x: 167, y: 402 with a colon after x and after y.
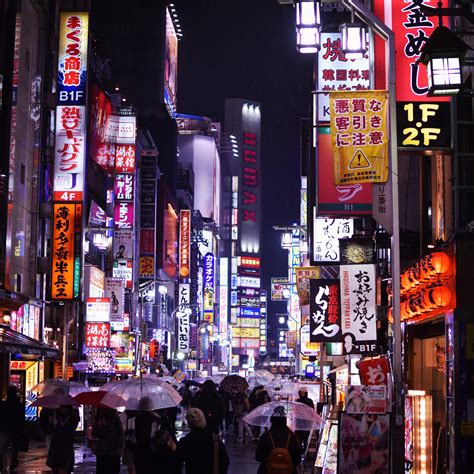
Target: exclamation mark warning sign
x: 359, y: 161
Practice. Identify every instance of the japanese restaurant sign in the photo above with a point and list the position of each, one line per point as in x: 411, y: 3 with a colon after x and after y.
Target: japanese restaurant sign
x: 325, y: 311
x: 359, y: 136
x: 208, y: 262
x: 336, y: 72
x: 358, y: 305
x: 97, y: 335
x: 125, y: 158
x: 303, y: 276
x: 184, y: 319
x: 326, y: 235
x: 184, y: 243
x: 66, y: 266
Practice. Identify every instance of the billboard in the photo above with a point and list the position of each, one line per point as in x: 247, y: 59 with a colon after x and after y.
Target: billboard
x: 280, y: 288
x: 184, y: 243
x: 326, y: 235
x: 97, y: 310
x: 123, y: 215
x: 123, y: 244
x: 125, y: 160
x: 123, y: 269
x: 97, y: 335
x: 124, y: 187
x: 101, y: 151
x: 114, y: 290
x: 171, y: 66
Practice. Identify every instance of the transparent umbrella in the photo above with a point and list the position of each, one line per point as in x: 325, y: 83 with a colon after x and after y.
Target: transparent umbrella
x: 51, y: 386
x: 256, y: 380
x: 141, y: 395
x: 264, y: 374
x: 55, y: 401
x: 299, y: 416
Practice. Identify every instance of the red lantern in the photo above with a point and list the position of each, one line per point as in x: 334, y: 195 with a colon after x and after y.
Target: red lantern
x: 440, y: 262
x: 437, y: 297
x: 154, y: 349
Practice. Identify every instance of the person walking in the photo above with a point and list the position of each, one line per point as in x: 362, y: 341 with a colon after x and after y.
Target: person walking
x: 303, y: 398
x: 108, y: 431
x: 240, y: 404
x: 62, y: 427
x: 278, y: 449
x: 12, y: 426
x: 212, y: 405
x: 200, y: 451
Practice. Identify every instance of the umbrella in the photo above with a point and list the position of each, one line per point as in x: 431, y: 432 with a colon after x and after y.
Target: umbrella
x: 234, y: 381
x: 256, y: 380
x: 51, y: 386
x: 264, y: 374
x: 54, y: 401
x: 141, y: 395
x: 94, y: 398
x: 299, y: 416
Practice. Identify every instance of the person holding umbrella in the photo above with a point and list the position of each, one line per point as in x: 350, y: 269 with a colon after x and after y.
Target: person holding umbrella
x: 212, y: 405
x: 108, y: 431
x: 303, y: 398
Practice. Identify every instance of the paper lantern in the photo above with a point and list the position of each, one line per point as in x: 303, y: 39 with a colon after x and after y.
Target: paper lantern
x: 437, y: 297
x: 440, y: 262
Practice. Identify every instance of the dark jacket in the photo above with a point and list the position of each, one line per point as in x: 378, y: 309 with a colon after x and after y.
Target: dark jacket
x: 213, y: 408
x: 280, y: 438
x: 196, y: 452
x: 12, y: 415
x: 307, y: 401
x: 109, y: 435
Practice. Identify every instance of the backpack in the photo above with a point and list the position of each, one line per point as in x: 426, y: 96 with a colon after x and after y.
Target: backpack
x: 279, y: 461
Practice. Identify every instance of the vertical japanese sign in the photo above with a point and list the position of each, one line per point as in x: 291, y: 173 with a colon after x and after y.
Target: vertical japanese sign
x: 325, y: 312
x: 326, y: 235
x: 124, y: 187
x: 125, y: 158
x: 123, y: 215
x: 336, y: 72
x: 114, y: 290
x: 183, y: 315
x: 184, y: 243
x: 97, y: 335
x: 65, y: 272
x: 208, y: 263
x: 359, y: 322
x: 71, y: 118
x: 171, y: 66
x: 359, y: 136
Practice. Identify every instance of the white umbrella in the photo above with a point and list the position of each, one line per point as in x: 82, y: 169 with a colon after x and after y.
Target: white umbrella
x: 142, y: 395
x: 256, y: 380
x: 298, y: 415
x: 54, y: 386
x: 264, y: 374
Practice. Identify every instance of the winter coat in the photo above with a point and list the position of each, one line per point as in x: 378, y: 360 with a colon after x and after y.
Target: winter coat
x: 280, y: 438
x: 196, y: 452
x: 109, y: 435
x: 213, y: 408
x: 12, y: 415
x: 307, y: 401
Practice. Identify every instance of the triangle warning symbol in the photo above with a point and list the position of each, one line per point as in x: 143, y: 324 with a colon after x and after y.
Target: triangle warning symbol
x: 359, y: 161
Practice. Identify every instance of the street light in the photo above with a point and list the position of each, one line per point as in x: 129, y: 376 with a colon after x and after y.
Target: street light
x: 308, y: 24
x: 354, y: 40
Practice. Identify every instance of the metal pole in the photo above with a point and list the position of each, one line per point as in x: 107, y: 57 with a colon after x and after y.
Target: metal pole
x: 397, y: 426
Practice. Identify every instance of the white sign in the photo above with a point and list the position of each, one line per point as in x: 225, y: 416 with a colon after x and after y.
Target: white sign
x: 97, y: 310
x: 359, y: 317
x: 123, y: 269
x: 326, y: 235
x: 184, y: 294
x: 123, y: 244
x: 114, y: 290
x: 336, y: 72
x: 223, y: 310
x: 121, y: 129
x: 250, y: 282
x: 184, y: 298
x: 307, y: 348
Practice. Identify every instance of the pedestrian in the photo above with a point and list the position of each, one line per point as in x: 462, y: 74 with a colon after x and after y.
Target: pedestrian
x: 303, y: 398
x: 240, y: 405
x: 151, y: 444
x: 229, y: 409
x: 200, y: 451
x: 108, y: 431
x: 278, y: 449
x: 211, y: 404
x: 186, y: 399
x: 12, y: 426
x: 130, y: 440
x: 62, y: 427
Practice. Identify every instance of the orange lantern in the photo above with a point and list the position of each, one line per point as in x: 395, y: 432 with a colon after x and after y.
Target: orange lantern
x: 440, y: 262
x: 405, y: 282
x: 437, y: 297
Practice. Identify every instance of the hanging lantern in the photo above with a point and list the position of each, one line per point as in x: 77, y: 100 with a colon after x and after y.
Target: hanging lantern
x: 308, y: 40
x: 405, y: 282
x: 308, y: 14
x: 440, y: 262
x: 437, y: 297
x: 353, y: 40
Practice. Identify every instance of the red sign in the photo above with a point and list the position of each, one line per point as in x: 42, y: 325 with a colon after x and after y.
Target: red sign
x: 336, y: 200
x: 97, y: 335
x: 147, y: 241
x: 374, y: 371
x: 250, y: 262
x: 100, y: 112
x: 412, y: 30
x: 184, y: 243
x: 125, y: 158
x: 250, y: 177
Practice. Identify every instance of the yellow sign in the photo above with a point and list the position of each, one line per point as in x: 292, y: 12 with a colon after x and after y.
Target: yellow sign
x: 359, y: 136
x: 246, y: 332
x: 303, y: 275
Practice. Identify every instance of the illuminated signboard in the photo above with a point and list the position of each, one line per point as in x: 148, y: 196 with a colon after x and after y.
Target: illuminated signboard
x: 123, y: 215
x: 326, y: 235
x: 325, y: 312
x: 123, y: 244
x: 184, y: 327
x: 71, y: 120
x: 124, y: 186
x: 66, y: 262
x: 245, y: 332
x: 97, y: 310
x: 248, y: 262
x: 97, y: 335
x: 251, y: 282
x: 125, y: 158
x: 248, y: 322
x: 250, y: 312
x: 171, y: 66
x: 123, y: 269
x: 114, y: 290
x: 184, y: 243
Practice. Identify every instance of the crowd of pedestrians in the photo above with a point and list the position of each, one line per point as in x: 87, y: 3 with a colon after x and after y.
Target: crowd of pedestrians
x: 142, y: 439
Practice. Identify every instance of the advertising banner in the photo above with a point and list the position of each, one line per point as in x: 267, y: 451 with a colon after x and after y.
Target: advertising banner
x: 124, y: 186
x: 303, y: 275
x: 114, y: 290
x: 97, y: 310
x: 248, y: 262
x: 359, y: 322
x: 183, y: 331
x: 336, y: 72
x: 280, y: 288
x: 333, y: 199
x: 249, y: 302
x: 97, y: 335
x: 364, y: 442
x: 250, y: 312
x: 248, y: 322
x: 374, y: 371
x: 326, y: 235
x: 123, y: 215
x: 369, y: 399
x: 123, y: 269
x: 123, y: 244
x: 251, y: 282
x: 97, y: 216
x: 208, y: 262
x: 359, y: 136
x: 184, y: 243
x: 66, y: 263
x: 245, y: 332
x: 146, y: 267
x: 325, y: 312
x: 307, y: 347
x: 121, y: 130
x: 125, y: 157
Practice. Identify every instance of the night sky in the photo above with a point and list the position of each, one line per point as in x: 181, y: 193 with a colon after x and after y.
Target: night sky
x: 246, y: 49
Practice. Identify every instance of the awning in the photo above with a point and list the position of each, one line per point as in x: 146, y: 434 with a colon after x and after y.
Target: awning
x: 11, y: 300
x: 17, y: 343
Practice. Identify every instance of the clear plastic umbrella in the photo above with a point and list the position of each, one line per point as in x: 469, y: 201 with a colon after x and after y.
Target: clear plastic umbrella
x: 264, y: 374
x: 142, y: 395
x: 51, y: 386
x: 299, y: 416
x: 256, y: 380
x: 55, y: 401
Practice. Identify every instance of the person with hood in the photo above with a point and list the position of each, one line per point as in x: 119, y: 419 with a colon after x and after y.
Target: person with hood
x: 240, y: 406
x: 12, y: 425
x: 200, y: 451
x: 303, y: 398
x: 212, y: 405
x: 278, y: 436
x: 108, y: 431
x: 62, y: 428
